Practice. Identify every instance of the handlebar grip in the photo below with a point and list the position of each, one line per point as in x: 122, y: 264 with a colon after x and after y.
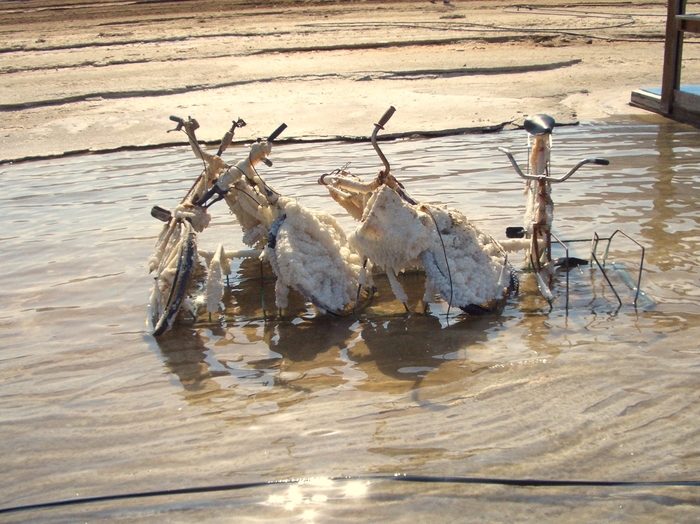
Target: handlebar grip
x: 277, y: 132
x: 177, y: 119
x: 387, y: 116
x: 601, y: 161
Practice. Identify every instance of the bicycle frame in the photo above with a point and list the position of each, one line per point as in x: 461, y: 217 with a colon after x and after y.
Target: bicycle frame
x: 305, y: 248
x: 540, y: 207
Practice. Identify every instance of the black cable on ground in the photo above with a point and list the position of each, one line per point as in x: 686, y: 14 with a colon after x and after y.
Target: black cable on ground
x: 531, y: 483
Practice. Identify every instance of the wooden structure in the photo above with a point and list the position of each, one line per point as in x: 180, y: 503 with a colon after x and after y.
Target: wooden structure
x: 681, y: 103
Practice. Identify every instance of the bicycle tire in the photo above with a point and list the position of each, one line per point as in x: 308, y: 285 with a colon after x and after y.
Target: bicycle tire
x: 165, y: 314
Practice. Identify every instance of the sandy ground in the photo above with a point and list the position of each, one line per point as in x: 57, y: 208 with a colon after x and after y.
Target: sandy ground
x: 101, y: 75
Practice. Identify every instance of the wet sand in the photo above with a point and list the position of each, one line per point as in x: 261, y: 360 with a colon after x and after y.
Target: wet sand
x: 99, y: 76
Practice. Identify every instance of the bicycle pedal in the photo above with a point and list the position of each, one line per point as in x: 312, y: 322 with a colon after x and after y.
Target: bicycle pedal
x: 569, y: 262
x: 161, y: 213
x: 515, y: 232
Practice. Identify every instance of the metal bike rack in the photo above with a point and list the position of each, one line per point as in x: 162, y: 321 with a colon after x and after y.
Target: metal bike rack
x: 624, y: 275
x: 603, y: 264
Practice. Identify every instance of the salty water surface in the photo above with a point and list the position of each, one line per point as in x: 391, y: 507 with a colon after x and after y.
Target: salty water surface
x: 92, y: 405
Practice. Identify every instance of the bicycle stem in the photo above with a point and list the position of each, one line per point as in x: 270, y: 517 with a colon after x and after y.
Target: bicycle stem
x: 228, y: 137
x: 190, y: 127
x: 380, y: 125
x: 258, y: 153
x: 385, y: 176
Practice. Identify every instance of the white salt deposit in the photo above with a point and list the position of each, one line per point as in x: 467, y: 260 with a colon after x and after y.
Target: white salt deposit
x: 539, y: 209
x: 214, y: 290
x: 462, y: 265
x: 535, y: 209
x: 198, y: 216
x: 310, y: 252
x: 392, y: 234
x: 539, y: 154
x: 311, y: 256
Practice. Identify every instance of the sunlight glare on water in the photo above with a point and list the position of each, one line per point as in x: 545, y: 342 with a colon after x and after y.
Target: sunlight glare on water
x: 93, y: 405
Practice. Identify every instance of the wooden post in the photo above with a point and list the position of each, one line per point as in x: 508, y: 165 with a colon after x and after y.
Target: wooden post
x: 673, y: 54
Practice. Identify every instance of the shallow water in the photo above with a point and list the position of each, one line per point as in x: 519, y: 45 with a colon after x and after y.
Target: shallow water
x: 92, y: 405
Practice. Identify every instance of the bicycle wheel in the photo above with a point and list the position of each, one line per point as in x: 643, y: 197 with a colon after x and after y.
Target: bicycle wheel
x: 173, y: 276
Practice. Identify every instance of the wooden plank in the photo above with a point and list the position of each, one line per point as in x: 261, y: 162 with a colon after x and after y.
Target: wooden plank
x: 688, y: 23
x: 681, y: 105
x: 687, y: 101
x: 646, y: 100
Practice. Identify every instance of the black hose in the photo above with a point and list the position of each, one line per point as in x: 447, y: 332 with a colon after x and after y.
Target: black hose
x: 428, y: 479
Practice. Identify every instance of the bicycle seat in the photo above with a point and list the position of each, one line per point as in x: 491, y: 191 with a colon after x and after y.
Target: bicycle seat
x: 539, y: 125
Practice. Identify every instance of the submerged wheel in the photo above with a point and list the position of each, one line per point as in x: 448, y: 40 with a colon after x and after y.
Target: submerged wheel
x: 178, y: 260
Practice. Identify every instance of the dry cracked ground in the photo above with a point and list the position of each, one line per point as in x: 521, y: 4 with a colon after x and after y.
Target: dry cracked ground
x: 102, y: 75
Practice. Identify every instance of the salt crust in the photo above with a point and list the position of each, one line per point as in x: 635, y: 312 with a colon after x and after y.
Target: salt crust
x: 214, y: 284
x: 198, y: 216
x: 171, y: 239
x: 462, y: 264
x: 539, y: 163
x: 311, y: 255
x: 392, y: 234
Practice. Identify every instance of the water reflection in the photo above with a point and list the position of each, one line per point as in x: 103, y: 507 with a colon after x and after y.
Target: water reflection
x: 415, y: 351
x: 256, y: 368
x: 282, y: 361
x: 185, y: 355
x: 673, y: 198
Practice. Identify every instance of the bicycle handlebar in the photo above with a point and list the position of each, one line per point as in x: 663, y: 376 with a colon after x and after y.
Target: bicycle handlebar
x: 597, y: 161
x: 181, y: 122
x: 214, y: 190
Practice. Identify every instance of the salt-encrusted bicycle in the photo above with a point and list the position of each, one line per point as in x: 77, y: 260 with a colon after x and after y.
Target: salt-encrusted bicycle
x: 307, y: 249
x: 175, y: 255
x: 465, y: 267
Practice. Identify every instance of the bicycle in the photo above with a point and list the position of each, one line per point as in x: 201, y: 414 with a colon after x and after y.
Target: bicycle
x: 539, y: 209
x: 306, y: 249
x: 175, y: 254
x: 465, y: 267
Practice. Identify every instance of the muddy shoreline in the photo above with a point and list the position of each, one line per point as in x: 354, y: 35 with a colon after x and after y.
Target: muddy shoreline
x: 102, y: 76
